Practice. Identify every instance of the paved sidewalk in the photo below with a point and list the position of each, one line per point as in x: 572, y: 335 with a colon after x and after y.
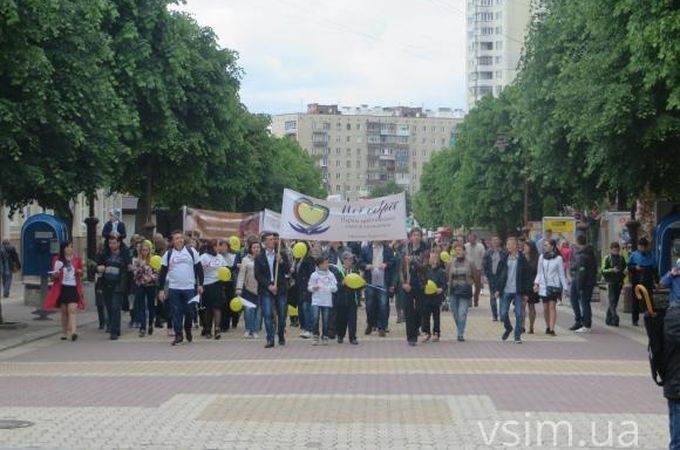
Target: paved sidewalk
x: 573, y: 391
x: 27, y: 328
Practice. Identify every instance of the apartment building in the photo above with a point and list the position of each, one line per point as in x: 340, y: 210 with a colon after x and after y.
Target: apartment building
x: 361, y: 147
x: 496, y: 30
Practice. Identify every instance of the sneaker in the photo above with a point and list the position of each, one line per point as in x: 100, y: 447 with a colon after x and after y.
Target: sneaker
x: 340, y: 340
x: 218, y: 336
x: 412, y: 343
x: 315, y: 341
x: 150, y: 330
x: 255, y: 336
x: 583, y: 330
x: 369, y: 330
x: 171, y: 333
x: 354, y: 342
x: 74, y: 337
x: 575, y: 327
x: 495, y: 319
x: 461, y: 339
x: 269, y: 345
x: 518, y: 341
x: 178, y: 341
x: 305, y: 335
x: 247, y: 335
x: 435, y: 337
x: 426, y: 338
x: 381, y: 333
x: 324, y: 340
x: 142, y: 333
x: 506, y: 333
x: 552, y: 333
x: 190, y: 337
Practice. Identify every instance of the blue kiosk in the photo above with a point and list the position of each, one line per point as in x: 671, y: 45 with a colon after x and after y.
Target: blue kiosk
x: 41, y: 237
x: 667, y: 240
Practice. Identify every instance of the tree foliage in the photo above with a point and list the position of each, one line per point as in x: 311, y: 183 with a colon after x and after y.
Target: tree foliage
x: 594, y: 114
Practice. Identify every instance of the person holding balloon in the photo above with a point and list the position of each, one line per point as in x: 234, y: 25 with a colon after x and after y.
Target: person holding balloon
x: 434, y: 287
x: 346, y: 299
x: 322, y: 284
x: 145, y: 286
x: 304, y: 266
x: 414, y: 277
x: 213, y: 297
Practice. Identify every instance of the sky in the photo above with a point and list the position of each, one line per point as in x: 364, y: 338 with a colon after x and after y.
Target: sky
x: 346, y: 52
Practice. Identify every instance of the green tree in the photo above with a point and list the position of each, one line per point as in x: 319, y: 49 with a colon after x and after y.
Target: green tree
x: 60, y: 114
x: 184, y: 88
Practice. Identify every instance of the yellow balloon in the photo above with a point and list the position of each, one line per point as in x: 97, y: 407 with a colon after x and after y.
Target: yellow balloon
x: 299, y: 250
x: 445, y: 256
x: 292, y: 311
x: 235, y: 304
x: 148, y: 243
x: 223, y: 274
x: 155, y: 262
x: 235, y: 244
x: 430, y: 287
x: 354, y: 281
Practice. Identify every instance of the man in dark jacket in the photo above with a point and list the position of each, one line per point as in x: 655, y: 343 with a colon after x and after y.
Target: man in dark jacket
x: 613, y: 271
x: 512, y: 287
x: 642, y: 270
x: 115, y: 266
x: 490, y: 263
x: 272, y: 288
x: 114, y: 225
x: 377, y: 260
x: 583, y: 279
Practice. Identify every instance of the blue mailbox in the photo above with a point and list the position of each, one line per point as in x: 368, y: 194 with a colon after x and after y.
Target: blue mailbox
x: 41, y: 237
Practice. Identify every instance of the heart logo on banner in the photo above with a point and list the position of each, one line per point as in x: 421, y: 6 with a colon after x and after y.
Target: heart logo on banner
x: 309, y: 213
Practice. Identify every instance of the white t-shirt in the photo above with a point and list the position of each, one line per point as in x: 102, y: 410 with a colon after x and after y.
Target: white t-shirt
x: 326, y: 283
x: 181, y: 268
x: 210, y: 265
x: 69, y: 273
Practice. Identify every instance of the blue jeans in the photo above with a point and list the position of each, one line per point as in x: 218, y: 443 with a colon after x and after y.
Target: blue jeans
x: 181, y: 310
x: 114, y: 303
x: 459, y: 308
x: 493, y: 301
x: 252, y: 316
x: 674, y: 423
x: 268, y: 311
x: 324, y: 312
x: 506, y: 301
x: 580, y: 303
x: 145, y: 298
x: 377, y: 307
x: 6, y: 282
x: 305, y: 313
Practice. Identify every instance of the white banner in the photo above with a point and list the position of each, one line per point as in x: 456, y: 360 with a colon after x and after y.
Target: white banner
x: 308, y: 218
x: 270, y: 221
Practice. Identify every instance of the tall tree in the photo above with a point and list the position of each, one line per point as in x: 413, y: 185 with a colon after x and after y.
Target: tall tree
x: 60, y: 114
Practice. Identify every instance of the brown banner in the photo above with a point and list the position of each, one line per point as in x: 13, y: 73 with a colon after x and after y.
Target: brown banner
x: 219, y: 224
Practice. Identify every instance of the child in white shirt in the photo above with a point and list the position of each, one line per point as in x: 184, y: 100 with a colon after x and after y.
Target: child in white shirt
x: 322, y: 284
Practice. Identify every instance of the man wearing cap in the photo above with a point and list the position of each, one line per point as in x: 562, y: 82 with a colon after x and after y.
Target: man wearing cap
x: 642, y: 270
x: 115, y: 224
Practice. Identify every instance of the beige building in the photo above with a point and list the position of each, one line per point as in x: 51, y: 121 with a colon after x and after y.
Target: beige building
x: 496, y: 30
x: 360, y: 147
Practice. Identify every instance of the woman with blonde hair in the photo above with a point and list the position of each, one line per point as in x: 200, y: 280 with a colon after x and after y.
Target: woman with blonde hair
x: 145, y: 288
x: 550, y: 282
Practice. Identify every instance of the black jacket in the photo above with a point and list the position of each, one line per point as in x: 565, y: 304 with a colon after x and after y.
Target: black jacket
x: 487, y: 262
x: 671, y: 354
x: 344, y: 297
x: 584, y: 267
x: 108, y: 227
x: 125, y: 266
x: 304, y: 270
x: 265, y: 278
x: 523, y: 283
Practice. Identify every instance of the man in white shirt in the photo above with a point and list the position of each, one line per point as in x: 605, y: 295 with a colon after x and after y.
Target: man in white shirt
x: 474, y: 252
x: 181, y: 266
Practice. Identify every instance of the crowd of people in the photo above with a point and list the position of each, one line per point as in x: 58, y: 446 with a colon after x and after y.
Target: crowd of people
x: 185, y: 290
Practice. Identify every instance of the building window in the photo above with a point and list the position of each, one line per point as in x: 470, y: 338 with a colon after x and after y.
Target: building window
x: 337, y: 150
x: 486, y: 45
x: 338, y: 126
x: 487, y: 31
x: 358, y: 152
x: 499, y: 15
x: 487, y: 3
x: 337, y: 138
x: 499, y: 59
x: 337, y: 176
x: 485, y: 16
x: 337, y: 188
x: 349, y: 165
x: 358, y: 164
x: 349, y: 152
x: 337, y: 163
x: 499, y: 45
x: 485, y: 75
x: 349, y: 126
x: 499, y: 30
x: 485, y: 60
x: 358, y: 126
x: 292, y: 125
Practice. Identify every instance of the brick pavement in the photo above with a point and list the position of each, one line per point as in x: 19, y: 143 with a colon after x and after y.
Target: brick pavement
x: 483, y: 393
